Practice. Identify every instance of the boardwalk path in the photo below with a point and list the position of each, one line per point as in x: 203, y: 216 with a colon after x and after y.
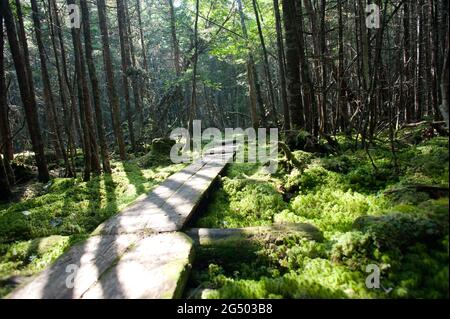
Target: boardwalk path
x: 140, y: 252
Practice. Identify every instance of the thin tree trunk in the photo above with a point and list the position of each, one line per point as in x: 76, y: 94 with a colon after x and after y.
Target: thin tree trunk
x: 252, y: 77
x: 64, y: 93
x: 26, y: 91
x: 48, y: 94
x: 70, y: 88
x: 193, y: 105
x: 110, y: 79
x: 292, y: 64
x: 92, y: 162
x: 175, y: 45
x: 407, y: 63
x: 6, y: 173
x: 141, y: 34
x: 266, y: 64
x: 281, y: 66
x: 95, y: 88
x: 134, y: 79
x: 6, y: 147
x: 310, y: 110
x: 444, y: 83
x: 126, y: 61
x: 319, y: 61
x: 342, y: 109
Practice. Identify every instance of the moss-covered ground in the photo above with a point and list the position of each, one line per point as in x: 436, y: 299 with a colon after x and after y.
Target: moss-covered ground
x: 369, y: 213
x: 37, y: 230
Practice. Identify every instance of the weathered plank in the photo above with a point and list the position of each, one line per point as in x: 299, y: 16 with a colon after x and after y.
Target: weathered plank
x: 75, y: 271
x: 218, y: 236
x: 169, y: 208
x: 156, y: 268
x: 133, y: 255
x: 132, y: 218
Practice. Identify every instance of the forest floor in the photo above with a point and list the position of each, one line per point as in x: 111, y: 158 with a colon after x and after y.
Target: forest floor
x: 48, y: 219
x: 394, y: 216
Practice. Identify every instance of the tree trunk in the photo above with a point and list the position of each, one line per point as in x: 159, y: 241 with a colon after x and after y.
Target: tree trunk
x: 48, y: 94
x: 64, y: 93
x: 193, y: 105
x: 92, y: 162
x: 444, y: 83
x: 6, y: 147
x: 281, y: 66
x: 342, y: 109
x: 95, y: 88
x: 125, y: 58
x: 292, y: 64
x: 5, y: 187
x: 6, y: 173
x: 319, y: 58
x: 141, y: 34
x: 256, y: 101
x: 134, y: 79
x: 26, y: 91
x: 110, y: 79
x: 310, y: 110
x: 266, y: 64
x: 175, y: 45
x: 54, y: 128
x: 74, y: 114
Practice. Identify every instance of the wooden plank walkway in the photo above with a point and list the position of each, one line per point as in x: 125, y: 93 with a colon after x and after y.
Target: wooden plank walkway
x: 138, y: 253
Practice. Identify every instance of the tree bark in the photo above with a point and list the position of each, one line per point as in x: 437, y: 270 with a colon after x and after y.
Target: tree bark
x: 5, y: 138
x: 110, y: 79
x: 26, y: 91
x: 70, y: 87
x: 175, y: 45
x: 126, y: 61
x: 281, y: 66
x: 193, y: 105
x: 6, y: 147
x: 444, y: 83
x: 251, y: 74
x: 292, y: 64
x: 91, y: 160
x: 266, y: 64
x: 95, y: 88
x: 47, y: 90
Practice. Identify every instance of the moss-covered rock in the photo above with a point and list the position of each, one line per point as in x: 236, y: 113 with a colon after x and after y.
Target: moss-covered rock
x: 162, y: 145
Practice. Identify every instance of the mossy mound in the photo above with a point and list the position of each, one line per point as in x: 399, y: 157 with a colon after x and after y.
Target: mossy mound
x: 384, y: 210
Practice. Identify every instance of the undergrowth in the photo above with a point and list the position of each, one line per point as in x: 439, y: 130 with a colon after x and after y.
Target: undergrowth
x: 366, y: 211
x: 66, y: 210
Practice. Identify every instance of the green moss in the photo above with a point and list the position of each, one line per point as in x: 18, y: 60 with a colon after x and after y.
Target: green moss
x: 330, y: 209
x: 71, y: 208
x: 241, y: 203
x: 405, y: 233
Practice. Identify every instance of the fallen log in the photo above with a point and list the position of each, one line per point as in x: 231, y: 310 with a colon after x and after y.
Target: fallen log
x: 218, y: 236
x: 433, y: 191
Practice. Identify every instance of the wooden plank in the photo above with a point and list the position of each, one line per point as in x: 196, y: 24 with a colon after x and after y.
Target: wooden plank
x: 91, y: 258
x: 124, y: 258
x: 132, y: 219
x: 156, y: 268
x: 166, y: 210
x: 179, y: 208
